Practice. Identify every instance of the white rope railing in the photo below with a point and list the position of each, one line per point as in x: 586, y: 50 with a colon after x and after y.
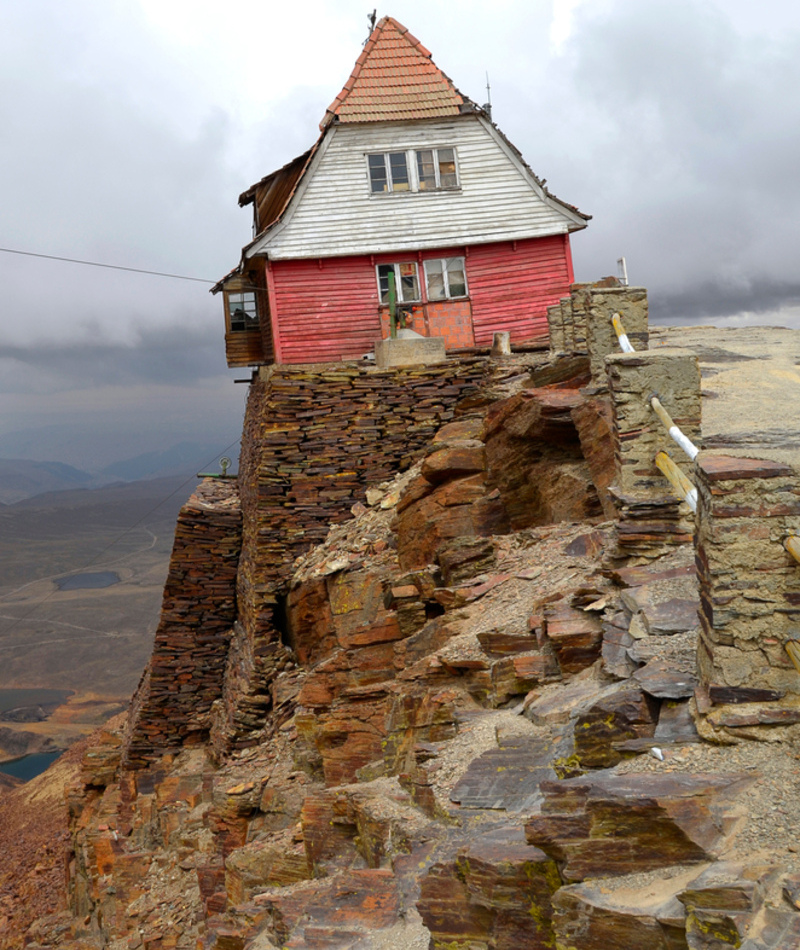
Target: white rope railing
x: 682, y: 485
x: 675, y: 433
x: 624, y: 343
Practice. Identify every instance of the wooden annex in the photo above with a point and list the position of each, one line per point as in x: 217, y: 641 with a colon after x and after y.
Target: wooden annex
x: 408, y: 178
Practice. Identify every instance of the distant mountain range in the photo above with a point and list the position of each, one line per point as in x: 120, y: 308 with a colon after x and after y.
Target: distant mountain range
x: 25, y: 478
x: 22, y: 478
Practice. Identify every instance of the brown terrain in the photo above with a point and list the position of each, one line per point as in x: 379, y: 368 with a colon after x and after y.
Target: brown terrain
x: 91, y: 642
x: 467, y: 716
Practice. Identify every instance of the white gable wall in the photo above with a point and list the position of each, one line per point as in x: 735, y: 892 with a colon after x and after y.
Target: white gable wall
x: 334, y: 212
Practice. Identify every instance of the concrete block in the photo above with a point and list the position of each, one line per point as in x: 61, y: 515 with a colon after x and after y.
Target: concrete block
x: 409, y: 352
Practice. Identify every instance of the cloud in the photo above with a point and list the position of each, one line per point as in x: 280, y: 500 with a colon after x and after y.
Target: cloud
x: 689, y: 164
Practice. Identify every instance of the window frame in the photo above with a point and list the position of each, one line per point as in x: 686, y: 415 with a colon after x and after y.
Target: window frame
x: 387, y: 170
x: 445, y: 278
x: 251, y: 319
x: 437, y: 169
x: 398, y: 282
x: 413, y: 179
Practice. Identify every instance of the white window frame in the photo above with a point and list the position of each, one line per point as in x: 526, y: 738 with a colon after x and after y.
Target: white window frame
x: 398, y: 282
x: 387, y: 167
x: 412, y: 171
x: 446, y: 280
x: 436, y: 169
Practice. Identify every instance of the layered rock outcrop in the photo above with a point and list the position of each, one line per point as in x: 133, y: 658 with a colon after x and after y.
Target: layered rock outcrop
x: 454, y: 721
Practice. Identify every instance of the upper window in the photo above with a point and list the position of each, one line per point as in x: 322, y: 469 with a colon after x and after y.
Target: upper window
x: 445, y: 277
x: 406, y: 282
x: 243, y: 311
x: 430, y: 169
x: 388, y: 171
x: 436, y: 169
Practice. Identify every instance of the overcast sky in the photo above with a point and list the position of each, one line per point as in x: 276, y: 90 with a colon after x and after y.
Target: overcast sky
x: 129, y: 128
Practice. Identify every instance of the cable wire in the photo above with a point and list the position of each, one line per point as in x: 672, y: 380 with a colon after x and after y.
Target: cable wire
x: 132, y: 270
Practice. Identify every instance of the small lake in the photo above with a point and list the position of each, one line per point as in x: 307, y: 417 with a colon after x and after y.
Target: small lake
x: 29, y: 766
x: 88, y: 581
x: 14, y: 698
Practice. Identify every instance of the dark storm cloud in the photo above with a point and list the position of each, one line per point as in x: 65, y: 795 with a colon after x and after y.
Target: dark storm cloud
x: 169, y: 355
x: 686, y: 153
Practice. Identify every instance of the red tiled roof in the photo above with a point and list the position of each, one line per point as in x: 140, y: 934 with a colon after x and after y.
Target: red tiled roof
x: 394, y: 79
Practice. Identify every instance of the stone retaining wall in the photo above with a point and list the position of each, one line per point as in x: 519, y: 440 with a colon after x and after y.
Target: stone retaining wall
x: 749, y: 584
x: 185, y: 673
x: 314, y: 439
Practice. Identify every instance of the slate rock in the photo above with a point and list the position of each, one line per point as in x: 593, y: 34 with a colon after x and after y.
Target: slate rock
x: 594, y: 917
x: 496, y: 893
x: 666, y: 678
x: 509, y: 776
x: 622, y: 712
x: 606, y: 824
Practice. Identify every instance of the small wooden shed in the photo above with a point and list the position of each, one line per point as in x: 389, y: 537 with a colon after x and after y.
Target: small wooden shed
x: 408, y: 180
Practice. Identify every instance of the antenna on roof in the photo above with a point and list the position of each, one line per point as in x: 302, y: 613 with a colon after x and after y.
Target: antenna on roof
x: 372, y: 17
x: 487, y: 106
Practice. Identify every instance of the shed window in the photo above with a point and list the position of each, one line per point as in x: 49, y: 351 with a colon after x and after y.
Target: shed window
x: 242, y: 311
x: 388, y: 171
x: 445, y: 277
x: 436, y: 169
x: 406, y: 282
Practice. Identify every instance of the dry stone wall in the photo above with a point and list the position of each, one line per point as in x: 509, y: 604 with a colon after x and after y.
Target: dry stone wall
x: 314, y: 439
x: 749, y: 585
x: 185, y: 674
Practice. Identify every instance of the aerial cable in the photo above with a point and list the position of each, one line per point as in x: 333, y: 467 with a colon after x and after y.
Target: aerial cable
x: 132, y: 270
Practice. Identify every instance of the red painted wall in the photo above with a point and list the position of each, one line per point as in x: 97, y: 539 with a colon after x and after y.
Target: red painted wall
x: 511, y: 289
x: 327, y: 310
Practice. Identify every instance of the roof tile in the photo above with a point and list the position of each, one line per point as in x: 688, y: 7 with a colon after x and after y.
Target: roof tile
x: 394, y: 76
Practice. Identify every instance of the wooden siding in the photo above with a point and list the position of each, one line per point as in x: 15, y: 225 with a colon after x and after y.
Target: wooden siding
x: 333, y: 212
x: 511, y: 288
x: 324, y: 310
x: 244, y: 348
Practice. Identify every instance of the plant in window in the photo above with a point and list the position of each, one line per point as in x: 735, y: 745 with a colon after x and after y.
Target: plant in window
x: 406, y: 282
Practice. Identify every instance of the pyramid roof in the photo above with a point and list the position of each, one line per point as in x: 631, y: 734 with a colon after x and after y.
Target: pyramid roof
x: 395, y: 79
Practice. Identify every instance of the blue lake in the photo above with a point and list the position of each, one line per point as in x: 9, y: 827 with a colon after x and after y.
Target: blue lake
x: 29, y: 766
x: 88, y: 581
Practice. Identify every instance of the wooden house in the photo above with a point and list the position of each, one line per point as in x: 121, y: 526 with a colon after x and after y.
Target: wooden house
x: 408, y: 178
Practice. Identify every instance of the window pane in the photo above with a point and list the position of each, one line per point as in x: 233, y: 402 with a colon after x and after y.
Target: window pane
x: 426, y: 170
x: 447, y: 168
x: 377, y: 172
x: 383, y: 281
x: 456, y: 280
x: 435, y: 278
x: 243, y: 312
x: 397, y: 163
x: 409, y: 285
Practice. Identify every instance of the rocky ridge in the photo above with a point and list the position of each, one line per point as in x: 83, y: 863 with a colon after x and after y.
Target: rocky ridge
x: 486, y: 738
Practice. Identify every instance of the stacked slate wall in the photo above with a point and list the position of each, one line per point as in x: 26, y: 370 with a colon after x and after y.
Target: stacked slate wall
x: 184, y: 677
x: 315, y: 437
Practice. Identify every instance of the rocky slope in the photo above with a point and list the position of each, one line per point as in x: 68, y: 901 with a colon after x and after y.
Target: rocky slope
x: 485, y: 736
